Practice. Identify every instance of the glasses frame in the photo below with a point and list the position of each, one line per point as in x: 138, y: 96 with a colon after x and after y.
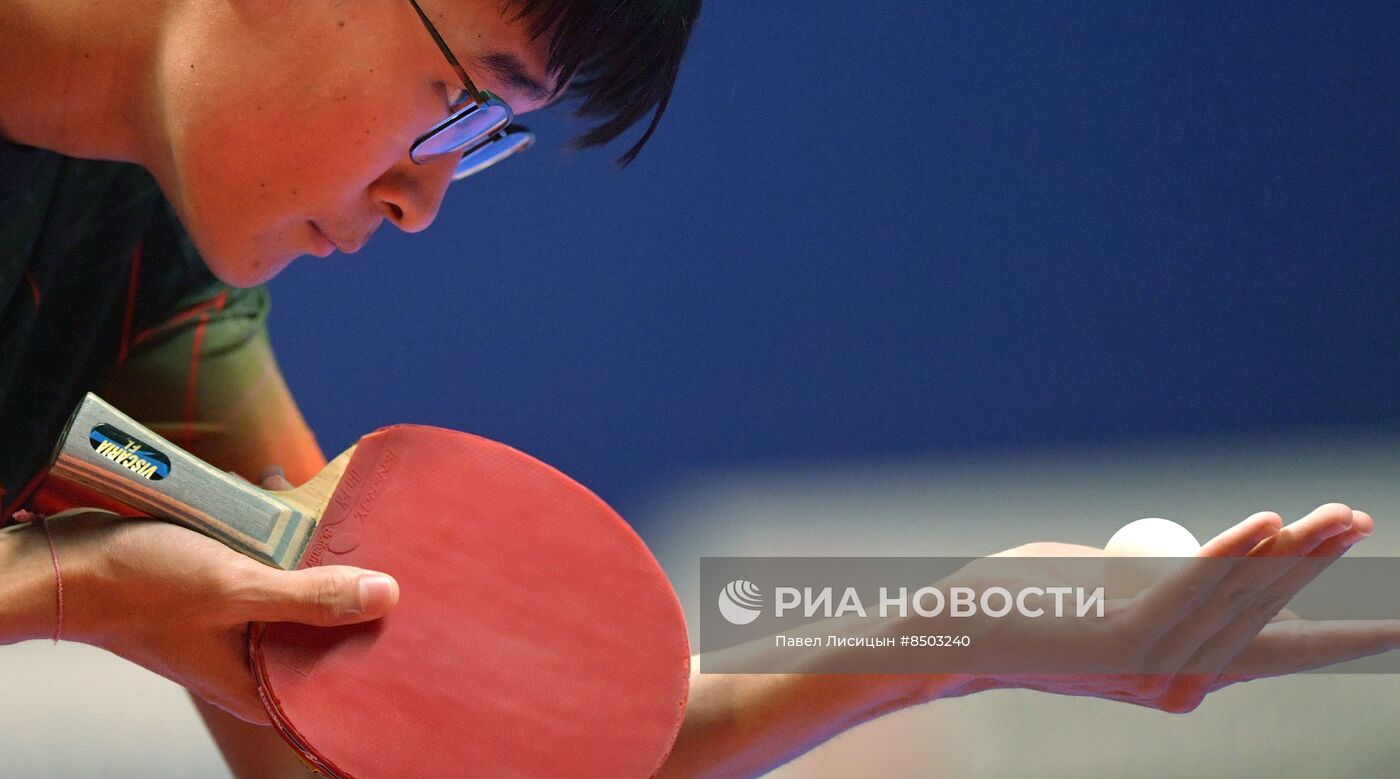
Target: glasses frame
x: 495, y: 135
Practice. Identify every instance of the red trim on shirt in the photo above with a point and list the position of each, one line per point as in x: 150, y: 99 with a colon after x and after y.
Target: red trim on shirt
x: 192, y: 382
x: 58, y: 495
x: 33, y: 287
x: 130, y: 303
x: 199, y: 309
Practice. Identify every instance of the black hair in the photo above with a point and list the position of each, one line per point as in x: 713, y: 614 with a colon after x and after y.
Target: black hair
x: 618, y: 58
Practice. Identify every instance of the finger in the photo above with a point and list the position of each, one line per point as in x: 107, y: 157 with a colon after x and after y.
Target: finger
x: 1258, y: 589
x: 1301, y: 537
x: 1251, y: 527
x: 272, y: 471
x: 275, y: 482
x: 1166, y: 603
x: 1361, y: 528
x: 268, y: 481
x: 1361, y: 521
x: 1247, y: 589
x: 274, y: 478
x: 1308, y: 568
x: 1283, y: 648
x: 325, y: 596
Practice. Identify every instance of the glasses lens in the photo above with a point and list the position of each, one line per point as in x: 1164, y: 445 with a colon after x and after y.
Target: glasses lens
x: 501, y: 145
x: 463, y: 129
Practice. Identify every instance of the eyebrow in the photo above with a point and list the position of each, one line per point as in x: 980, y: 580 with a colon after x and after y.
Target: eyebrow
x: 510, y: 69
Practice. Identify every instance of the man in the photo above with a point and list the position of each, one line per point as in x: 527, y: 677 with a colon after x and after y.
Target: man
x: 162, y: 158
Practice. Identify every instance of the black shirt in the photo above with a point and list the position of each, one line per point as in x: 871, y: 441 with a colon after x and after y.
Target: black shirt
x: 92, y: 260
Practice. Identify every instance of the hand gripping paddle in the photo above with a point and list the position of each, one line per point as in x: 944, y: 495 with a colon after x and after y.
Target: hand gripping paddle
x: 535, y: 635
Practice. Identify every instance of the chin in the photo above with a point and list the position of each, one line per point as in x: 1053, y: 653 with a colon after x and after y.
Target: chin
x: 245, y: 269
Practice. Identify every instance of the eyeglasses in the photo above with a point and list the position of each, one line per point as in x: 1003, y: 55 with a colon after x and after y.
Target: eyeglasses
x: 480, y: 125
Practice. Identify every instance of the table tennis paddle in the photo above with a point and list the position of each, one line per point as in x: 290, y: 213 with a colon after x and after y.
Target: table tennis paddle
x: 535, y: 634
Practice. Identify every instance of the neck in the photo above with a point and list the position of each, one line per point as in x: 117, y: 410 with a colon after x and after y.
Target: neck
x: 77, y: 76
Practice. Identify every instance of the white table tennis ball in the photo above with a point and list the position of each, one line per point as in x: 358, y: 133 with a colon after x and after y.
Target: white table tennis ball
x: 1125, y: 571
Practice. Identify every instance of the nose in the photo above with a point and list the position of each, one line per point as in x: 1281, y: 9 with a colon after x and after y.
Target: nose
x: 409, y: 194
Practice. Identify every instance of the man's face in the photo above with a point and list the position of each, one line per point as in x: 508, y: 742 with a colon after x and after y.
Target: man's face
x: 288, y: 120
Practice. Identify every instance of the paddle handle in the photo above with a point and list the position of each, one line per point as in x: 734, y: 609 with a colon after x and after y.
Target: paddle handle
x: 107, y: 451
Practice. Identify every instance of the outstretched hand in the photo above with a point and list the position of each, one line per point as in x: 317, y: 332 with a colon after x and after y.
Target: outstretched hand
x: 1213, y: 624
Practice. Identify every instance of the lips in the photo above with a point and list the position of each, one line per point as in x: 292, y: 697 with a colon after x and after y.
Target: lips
x: 343, y: 246
x: 324, y: 245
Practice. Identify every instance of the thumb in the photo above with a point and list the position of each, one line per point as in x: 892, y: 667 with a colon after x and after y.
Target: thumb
x: 325, y: 596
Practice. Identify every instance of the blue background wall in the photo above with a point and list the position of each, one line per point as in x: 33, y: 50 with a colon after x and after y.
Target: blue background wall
x: 916, y: 228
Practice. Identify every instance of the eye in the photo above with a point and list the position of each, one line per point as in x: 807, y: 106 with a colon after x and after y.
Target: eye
x: 457, y: 97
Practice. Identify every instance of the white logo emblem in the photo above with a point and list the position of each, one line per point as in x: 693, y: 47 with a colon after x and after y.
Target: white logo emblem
x: 740, y: 602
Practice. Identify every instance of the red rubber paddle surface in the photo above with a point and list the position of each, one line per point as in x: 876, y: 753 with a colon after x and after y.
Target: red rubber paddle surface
x: 535, y: 634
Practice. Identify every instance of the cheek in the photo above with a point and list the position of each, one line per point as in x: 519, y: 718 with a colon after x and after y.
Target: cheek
x: 254, y: 159
x: 241, y: 205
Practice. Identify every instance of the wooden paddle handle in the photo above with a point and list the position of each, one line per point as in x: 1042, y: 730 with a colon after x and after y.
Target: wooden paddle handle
x: 106, y: 450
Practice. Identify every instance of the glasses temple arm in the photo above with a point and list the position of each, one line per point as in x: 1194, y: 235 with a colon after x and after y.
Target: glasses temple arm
x: 457, y: 66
